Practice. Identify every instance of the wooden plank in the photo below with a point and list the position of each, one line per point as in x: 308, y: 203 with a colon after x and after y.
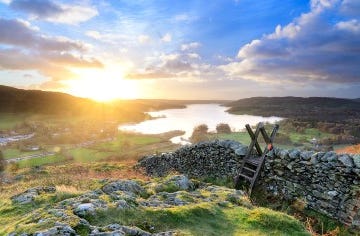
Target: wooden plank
x: 254, y: 136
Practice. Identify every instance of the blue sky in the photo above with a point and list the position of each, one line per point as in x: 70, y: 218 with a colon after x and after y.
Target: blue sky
x: 191, y: 49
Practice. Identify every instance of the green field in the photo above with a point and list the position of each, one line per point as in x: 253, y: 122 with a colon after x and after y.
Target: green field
x: 39, y: 161
x: 13, y: 153
x: 307, y: 135
x: 9, y: 120
x: 88, y: 155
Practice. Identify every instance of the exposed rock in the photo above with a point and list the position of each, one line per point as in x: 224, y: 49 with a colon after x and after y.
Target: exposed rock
x: 29, y: 195
x: 84, y: 209
x: 175, y: 183
x: 124, y: 185
x: 60, y: 230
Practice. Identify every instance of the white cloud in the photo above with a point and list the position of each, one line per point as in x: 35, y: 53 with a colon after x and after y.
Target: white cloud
x: 166, y: 38
x: 93, y: 34
x: 190, y: 46
x: 351, y: 25
x: 144, y: 38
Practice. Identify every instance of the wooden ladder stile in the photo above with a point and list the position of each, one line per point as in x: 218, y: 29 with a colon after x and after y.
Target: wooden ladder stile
x: 253, y: 162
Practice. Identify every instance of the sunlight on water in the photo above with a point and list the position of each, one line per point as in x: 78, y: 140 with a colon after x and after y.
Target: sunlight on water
x: 193, y: 115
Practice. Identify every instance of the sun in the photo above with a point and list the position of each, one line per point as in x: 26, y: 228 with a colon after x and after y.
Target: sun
x: 102, y: 85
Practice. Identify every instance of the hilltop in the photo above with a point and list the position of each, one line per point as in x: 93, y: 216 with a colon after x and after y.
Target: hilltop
x: 306, y: 109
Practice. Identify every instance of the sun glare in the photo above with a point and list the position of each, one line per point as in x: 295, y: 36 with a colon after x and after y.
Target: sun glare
x: 102, y: 85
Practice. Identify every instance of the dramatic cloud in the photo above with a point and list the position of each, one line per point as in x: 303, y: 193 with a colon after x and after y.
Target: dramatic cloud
x: 55, y: 12
x: 22, y: 47
x: 312, y: 48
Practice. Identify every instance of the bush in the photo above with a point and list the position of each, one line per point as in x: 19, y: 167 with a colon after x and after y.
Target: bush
x: 2, y: 162
x: 223, y: 128
x: 14, y: 167
x: 200, y: 134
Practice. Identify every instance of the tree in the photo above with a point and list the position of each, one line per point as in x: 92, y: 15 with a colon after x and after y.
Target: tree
x: 200, y: 133
x: 2, y: 162
x: 223, y: 128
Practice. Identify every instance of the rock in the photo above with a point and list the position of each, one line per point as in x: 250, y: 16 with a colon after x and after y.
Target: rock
x: 124, y: 185
x: 84, y: 209
x: 294, y: 154
x: 175, y: 183
x: 241, y: 151
x: 306, y: 155
x: 29, y: 195
x: 122, y: 204
x: 60, y: 229
x: 134, y: 231
x: 168, y: 233
x: 113, y: 233
x: 356, y: 159
x: 346, y: 160
x: 332, y: 193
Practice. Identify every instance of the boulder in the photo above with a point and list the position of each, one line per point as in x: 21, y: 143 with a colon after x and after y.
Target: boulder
x: 29, y: 195
x: 123, y: 185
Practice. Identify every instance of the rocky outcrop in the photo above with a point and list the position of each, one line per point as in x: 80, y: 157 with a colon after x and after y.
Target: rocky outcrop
x: 29, y: 195
x: 69, y: 217
x: 326, y: 182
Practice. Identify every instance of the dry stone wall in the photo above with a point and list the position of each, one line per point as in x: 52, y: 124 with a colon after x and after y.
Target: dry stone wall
x: 327, y: 182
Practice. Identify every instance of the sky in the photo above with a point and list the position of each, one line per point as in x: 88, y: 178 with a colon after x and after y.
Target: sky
x: 189, y: 49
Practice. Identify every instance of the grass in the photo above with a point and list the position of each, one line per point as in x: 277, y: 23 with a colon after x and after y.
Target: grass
x: 307, y: 135
x: 85, y: 155
x: 125, y: 141
x: 13, y: 153
x: 10, y: 120
x: 205, y: 219
x: 39, y: 161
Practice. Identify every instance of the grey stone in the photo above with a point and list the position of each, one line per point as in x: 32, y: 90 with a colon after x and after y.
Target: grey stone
x: 241, y: 151
x: 356, y: 159
x: 84, y: 209
x: 123, y: 185
x: 57, y: 230
x: 29, y: 195
x: 113, y: 233
x: 332, y: 193
x: 346, y: 160
x: 294, y: 154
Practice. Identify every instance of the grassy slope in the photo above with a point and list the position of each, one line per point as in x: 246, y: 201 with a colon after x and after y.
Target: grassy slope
x: 197, y: 219
x: 206, y: 219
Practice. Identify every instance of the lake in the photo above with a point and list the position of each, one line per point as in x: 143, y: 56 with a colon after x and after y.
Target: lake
x: 186, y: 119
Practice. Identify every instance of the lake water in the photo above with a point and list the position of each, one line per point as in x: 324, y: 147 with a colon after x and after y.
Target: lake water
x: 186, y: 119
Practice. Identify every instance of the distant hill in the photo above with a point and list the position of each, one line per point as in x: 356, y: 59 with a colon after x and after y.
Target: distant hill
x: 13, y: 100
x: 312, y: 108
x: 35, y: 101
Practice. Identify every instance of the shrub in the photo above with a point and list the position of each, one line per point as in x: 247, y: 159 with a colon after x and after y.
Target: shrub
x: 14, y: 167
x: 223, y: 128
x: 200, y: 134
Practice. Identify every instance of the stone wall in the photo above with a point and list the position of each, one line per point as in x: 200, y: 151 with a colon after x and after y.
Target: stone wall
x: 326, y: 182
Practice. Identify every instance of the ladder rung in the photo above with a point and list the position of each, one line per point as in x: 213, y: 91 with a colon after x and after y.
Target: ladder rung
x: 253, y: 161
x: 245, y: 176
x: 248, y: 169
